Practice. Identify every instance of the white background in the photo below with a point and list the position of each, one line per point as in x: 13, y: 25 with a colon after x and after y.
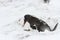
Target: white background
x: 13, y: 10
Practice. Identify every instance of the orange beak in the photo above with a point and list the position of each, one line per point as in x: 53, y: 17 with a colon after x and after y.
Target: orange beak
x: 24, y: 22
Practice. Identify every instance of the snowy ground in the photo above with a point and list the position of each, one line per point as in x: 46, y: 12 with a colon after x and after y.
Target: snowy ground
x: 13, y: 10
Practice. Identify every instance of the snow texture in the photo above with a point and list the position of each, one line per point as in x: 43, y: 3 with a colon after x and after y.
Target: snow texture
x: 11, y: 11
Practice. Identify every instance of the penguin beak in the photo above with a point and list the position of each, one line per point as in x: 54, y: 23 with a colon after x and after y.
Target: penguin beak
x: 24, y: 22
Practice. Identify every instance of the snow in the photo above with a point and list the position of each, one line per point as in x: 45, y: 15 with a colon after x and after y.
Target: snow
x: 11, y: 11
